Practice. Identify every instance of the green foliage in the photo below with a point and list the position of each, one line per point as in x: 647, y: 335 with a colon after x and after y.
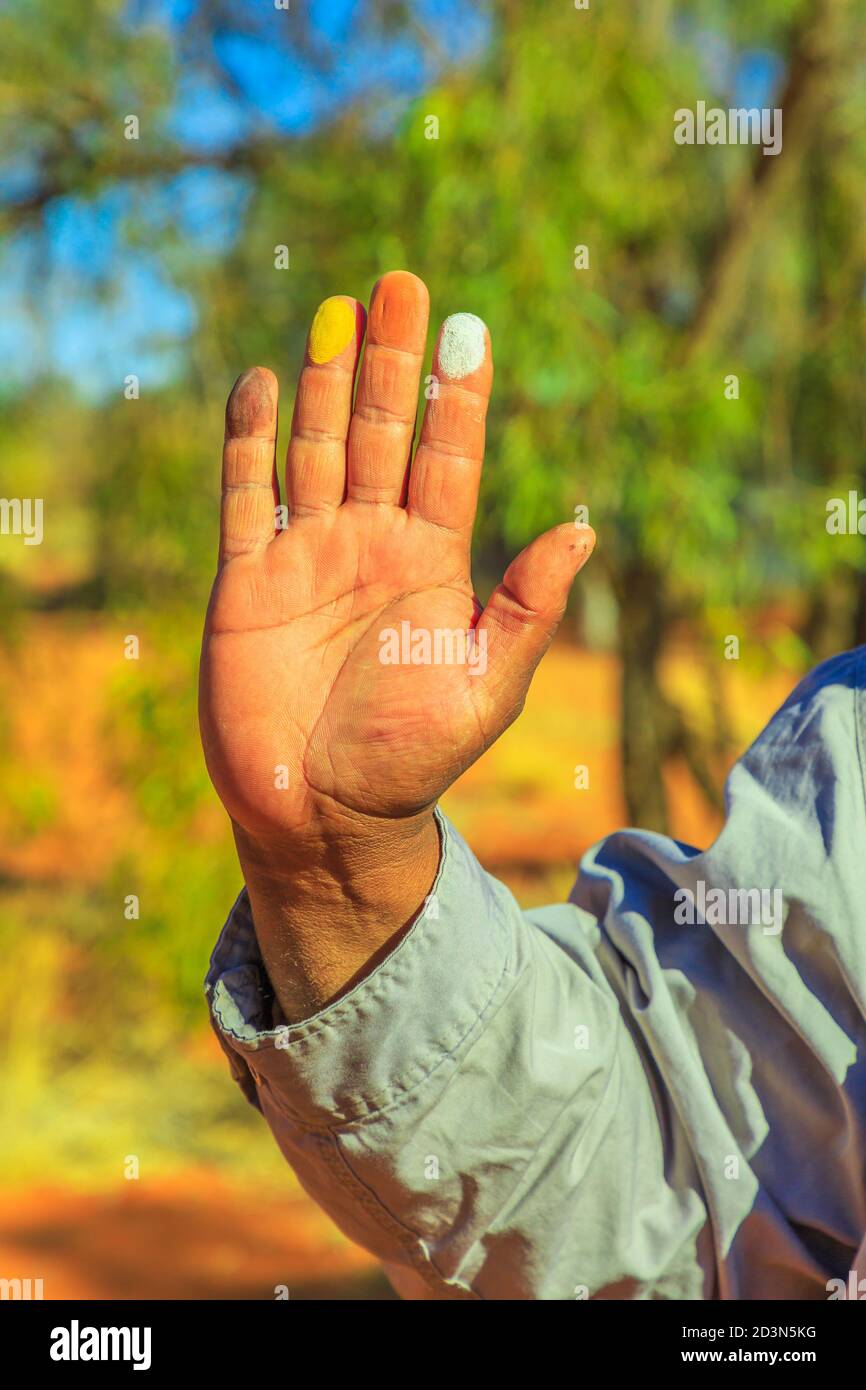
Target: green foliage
x: 559, y: 135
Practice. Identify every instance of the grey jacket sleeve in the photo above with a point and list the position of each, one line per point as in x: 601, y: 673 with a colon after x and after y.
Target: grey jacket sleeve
x: 476, y: 1111
x: 655, y: 1090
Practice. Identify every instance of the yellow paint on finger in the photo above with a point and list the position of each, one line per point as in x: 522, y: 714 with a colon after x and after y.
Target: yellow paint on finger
x: 332, y: 330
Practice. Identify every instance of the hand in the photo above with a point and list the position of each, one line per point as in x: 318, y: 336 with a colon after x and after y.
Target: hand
x: 327, y: 753
x: 305, y: 728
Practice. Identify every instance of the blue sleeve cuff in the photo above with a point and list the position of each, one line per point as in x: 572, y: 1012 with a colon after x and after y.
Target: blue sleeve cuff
x: 411, y: 1015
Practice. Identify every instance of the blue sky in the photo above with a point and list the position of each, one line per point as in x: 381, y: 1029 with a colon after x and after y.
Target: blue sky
x: 77, y: 300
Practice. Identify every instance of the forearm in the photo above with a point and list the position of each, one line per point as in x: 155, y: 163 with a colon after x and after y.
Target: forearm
x: 328, y: 909
x: 445, y: 1116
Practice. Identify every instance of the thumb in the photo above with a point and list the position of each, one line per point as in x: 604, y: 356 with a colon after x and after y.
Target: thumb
x: 524, y: 612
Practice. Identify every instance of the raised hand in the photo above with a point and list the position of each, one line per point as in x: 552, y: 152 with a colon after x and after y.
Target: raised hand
x: 308, y: 708
x: 340, y: 694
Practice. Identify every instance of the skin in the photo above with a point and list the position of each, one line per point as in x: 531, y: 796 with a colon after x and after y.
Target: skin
x: 329, y: 762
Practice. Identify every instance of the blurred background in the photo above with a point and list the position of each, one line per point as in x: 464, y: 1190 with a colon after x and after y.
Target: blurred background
x: 697, y: 386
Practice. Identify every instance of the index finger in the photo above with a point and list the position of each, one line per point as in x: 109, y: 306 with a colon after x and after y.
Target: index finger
x: 446, y: 471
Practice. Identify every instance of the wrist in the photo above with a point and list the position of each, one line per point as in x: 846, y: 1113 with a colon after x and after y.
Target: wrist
x: 326, y: 910
x: 346, y: 852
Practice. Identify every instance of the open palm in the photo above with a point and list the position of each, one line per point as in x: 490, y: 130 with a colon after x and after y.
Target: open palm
x: 337, y: 678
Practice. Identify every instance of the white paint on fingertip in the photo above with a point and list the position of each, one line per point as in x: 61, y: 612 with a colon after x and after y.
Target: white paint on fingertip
x: 462, y: 345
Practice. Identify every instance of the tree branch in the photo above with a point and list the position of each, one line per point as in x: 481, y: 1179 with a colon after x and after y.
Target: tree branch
x: 812, y: 57
x: 62, y: 177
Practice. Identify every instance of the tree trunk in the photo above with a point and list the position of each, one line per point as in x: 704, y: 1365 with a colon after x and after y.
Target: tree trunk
x: 645, y: 718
